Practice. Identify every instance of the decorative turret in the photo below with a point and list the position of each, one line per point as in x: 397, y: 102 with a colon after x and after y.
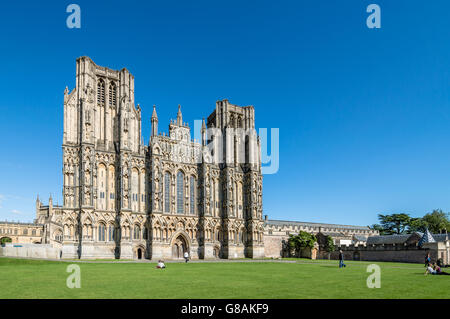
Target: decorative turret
x: 203, y: 132
x: 38, y: 203
x: 179, y: 116
x: 154, y: 122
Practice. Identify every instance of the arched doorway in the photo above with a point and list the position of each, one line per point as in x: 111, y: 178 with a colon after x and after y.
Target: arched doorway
x: 179, y: 247
x: 139, y: 252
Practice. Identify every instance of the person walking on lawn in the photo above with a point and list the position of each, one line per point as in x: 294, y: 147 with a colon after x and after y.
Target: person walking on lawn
x: 341, y: 259
x: 427, y: 260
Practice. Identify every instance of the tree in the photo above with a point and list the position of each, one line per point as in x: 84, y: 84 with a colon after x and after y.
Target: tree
x: 417, y: 225
x: 329, y: 245
x: 437, y: 221
x: 394, y: 223
x: 300, y: 241
x: 379, y: 228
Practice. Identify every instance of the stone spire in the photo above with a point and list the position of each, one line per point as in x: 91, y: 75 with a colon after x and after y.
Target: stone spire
x: 203, y: 125
x: 50, y: 203
x: 179, y: 116
x: 203, y: 131
x: 38, y: 203
x: 154, y: 115
x: 154, y: 122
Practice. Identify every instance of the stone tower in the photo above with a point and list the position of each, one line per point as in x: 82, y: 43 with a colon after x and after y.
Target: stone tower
x: 101, y: 145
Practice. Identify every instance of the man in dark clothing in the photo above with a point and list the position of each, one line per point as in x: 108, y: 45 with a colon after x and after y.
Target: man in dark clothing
x: 341, y: 259
x: 427, y: 260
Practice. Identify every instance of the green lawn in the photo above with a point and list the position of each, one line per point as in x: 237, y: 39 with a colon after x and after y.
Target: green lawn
x: 22, y: 278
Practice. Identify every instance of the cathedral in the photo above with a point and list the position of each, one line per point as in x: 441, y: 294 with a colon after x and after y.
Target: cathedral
x: 126, y: 199
x: 123, y: 198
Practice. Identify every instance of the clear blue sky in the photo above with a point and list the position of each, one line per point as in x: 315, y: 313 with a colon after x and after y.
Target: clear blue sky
x: 364, y: 114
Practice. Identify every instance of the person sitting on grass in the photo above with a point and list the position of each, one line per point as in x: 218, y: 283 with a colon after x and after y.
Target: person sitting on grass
x: 160, y: 264
x: 430, y: 270
x: 438, y: 270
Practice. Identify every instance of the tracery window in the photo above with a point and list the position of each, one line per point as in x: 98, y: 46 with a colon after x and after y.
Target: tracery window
x: 58, y: 236
x: 192, y: 195
x: 101, y: 92
x: 112, y: 94
x: 137, y: 232
x: 167, y: 192
x: 180, y: 192
x: 101, y: 232
x: 110, y: 233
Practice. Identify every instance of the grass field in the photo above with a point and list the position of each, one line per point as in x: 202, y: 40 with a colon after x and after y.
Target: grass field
x: 21, y: 278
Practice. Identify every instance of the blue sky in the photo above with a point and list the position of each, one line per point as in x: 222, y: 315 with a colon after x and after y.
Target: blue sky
x: 363, y: 113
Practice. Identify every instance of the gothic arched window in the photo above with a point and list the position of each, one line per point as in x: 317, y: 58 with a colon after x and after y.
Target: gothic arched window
x: 101, y: 92
x: 134, y: 189
x: 167, y: 192
x: 111, y: 233
x: 101, y: 232
x: 112, y: 94
x: 180, y: 192
x: 192, y: 195
x: 137, y: 232
x: 58, y: 236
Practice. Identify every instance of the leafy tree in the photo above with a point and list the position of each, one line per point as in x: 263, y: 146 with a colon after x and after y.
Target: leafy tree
x: 329, y: 245
x: 379, y: 228
x: 394, y: 223
x: 417, y: 224
x: 437, y: 221
x: 300, y: 241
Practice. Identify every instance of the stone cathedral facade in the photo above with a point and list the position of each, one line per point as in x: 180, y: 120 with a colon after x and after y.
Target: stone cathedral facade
x: 124, y: 198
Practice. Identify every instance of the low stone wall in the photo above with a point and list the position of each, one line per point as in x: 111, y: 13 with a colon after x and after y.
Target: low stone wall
x: 30, y: 251
x: 399, y: 253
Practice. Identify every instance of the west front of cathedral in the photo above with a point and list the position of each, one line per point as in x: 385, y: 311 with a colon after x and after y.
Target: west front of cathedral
x: 123, y: 198
x: 126, y: 199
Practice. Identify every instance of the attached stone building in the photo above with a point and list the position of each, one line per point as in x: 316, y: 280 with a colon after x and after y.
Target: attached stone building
x: 397, y: 248
x: 276, y: 234
x: 16, y: 232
